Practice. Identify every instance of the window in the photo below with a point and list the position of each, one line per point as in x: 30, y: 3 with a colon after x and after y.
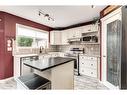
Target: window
x: 31, y: 37
x: 24, y: 41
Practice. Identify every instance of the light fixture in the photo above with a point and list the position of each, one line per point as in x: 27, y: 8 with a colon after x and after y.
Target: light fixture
x: 92, y: 6
x: 47, y: 16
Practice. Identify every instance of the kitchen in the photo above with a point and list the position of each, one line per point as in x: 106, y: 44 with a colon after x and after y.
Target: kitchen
x: 34, y: 49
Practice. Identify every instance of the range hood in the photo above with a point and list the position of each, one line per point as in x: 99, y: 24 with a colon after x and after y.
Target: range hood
x: 74, y: 40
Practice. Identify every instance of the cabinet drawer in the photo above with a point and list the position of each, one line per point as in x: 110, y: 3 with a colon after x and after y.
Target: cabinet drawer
x: 90, y: 64
x: 87, y: 58
x: 88, y: 72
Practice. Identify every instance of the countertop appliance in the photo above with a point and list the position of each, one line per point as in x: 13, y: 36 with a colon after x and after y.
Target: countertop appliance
x: 74, y: 53
x: 89, y: 39
x: 74, y: 40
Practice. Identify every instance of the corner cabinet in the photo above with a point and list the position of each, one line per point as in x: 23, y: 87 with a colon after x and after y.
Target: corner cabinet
x: 89, y: 66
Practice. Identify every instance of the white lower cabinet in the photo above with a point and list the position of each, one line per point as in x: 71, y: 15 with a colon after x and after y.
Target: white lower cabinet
x: 88, y: 66
x: 88, y: 72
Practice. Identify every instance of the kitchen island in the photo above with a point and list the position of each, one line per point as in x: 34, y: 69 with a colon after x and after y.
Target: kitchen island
x: 59, y: 70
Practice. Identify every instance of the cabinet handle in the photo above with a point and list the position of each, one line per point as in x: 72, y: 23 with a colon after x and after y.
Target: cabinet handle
x: 91, y: 58
x: 91, y: 64
x: 91, y: 72
x: 82, y: 63
x: 104, y: 56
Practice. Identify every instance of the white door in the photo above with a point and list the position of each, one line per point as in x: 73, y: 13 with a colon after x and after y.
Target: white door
x: 115, y: 16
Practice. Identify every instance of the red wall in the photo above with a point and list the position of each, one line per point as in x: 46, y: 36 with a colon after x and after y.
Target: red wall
x: 8, y: 31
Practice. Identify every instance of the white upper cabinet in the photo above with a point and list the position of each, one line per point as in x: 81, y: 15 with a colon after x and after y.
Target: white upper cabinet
x: 55, y: 38
x: 86, y: 29
x: 75, y: 32
x: 61, y: 37
x: 90, y: 28
x: 95, y: 27
x: 71, y: 33
x: 64, y: 37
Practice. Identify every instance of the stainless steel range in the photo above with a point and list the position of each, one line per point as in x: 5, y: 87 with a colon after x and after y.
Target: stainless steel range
x: 74, y: 53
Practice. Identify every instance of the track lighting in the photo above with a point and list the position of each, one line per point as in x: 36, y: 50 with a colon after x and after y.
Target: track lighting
x: 47, y: 16
x: 93, y: 6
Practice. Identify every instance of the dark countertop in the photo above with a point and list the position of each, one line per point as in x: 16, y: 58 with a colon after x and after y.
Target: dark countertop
x: 47, y: 63
x: 33, y: 81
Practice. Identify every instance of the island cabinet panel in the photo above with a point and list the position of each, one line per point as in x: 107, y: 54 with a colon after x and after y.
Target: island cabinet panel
x: 63, y: 76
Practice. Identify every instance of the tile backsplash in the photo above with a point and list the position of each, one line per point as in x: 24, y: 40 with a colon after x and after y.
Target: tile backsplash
x: 26, y: 50
x: 89, y: 48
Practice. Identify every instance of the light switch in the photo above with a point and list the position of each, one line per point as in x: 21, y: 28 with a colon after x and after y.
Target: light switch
x: 9, y: 49
x: 8, y: 45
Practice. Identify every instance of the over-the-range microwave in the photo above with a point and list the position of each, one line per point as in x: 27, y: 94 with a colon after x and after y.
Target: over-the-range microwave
x: 89, y: 39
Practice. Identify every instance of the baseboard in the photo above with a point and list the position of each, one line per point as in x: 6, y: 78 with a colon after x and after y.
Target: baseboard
x: 3, y: 80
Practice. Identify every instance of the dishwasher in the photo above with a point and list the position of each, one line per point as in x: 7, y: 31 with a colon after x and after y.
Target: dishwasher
x: 24, y: 70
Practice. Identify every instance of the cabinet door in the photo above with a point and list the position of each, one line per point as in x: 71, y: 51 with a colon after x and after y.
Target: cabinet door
x: 89, y: 64
x: 57, y: 38
x: 74, y: 33
x: 78, y: 32
x: 64, y: 37
x: 52, y: 37
x: 88, y: 72
x: 94, y: 27
x: 71, y: 33
x: 86, y: 29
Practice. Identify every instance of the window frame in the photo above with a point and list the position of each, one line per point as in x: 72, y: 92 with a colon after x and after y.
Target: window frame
x: 31, y: 28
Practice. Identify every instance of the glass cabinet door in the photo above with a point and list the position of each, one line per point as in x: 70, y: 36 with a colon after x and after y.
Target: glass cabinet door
x: 113, y: 51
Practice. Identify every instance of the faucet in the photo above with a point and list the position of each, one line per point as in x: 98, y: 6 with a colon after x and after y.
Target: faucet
x: 83, y: 50
x: 41, y: 49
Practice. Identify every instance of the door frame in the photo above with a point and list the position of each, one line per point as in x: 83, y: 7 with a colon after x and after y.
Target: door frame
x: 104, y: 21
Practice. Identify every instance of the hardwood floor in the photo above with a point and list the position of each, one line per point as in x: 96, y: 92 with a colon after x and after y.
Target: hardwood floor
x: 80, y: 83
x: 88, y: 83
x: 8, y: 84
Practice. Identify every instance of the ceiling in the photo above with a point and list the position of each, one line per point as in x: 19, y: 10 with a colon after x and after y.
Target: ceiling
x: 63, y: 15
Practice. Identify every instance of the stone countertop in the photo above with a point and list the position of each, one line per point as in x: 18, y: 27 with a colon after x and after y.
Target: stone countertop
x: 25, y: 55
x: 47, y: 63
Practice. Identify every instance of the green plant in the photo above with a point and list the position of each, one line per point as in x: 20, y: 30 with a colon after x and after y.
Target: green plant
x: 24, y: 41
